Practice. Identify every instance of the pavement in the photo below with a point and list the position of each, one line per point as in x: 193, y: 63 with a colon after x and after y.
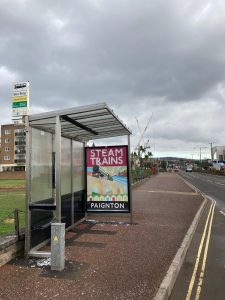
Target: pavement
x: 109, y: 258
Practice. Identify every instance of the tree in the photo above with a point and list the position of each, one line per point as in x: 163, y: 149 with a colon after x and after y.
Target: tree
x: 142, y: 157
x: 163, y: 165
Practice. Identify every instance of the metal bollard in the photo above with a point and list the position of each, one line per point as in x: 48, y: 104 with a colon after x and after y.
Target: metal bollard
x: 57, y: 246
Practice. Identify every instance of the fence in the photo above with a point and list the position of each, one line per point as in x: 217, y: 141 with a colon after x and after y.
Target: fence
x: 140, y: 173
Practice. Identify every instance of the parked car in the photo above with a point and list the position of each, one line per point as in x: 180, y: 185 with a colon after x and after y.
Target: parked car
x: 218, y: 165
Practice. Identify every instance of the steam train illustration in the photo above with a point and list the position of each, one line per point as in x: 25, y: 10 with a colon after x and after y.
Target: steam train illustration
x: 100, y: 173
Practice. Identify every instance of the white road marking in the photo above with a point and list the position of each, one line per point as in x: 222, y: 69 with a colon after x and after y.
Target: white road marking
x: 222, y: 212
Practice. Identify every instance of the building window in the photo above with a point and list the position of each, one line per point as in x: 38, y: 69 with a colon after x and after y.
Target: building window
x: 7, y: 131
x: 6, y: 158
x: 7, y: 149
x: 7, y: 140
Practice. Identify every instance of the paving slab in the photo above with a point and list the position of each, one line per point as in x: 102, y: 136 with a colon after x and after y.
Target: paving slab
x: 108, y: 258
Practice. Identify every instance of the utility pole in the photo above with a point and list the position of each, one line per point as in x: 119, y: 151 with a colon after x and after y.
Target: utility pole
x: 211, y: 143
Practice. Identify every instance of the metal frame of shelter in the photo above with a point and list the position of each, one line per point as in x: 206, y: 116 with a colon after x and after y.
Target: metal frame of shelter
x: 79, y: 124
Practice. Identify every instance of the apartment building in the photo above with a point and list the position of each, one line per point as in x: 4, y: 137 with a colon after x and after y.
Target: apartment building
x: 13, y: 147
x: 218, y: 153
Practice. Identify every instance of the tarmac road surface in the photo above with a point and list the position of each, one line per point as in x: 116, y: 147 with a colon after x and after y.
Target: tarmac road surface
x: 211, y: 185
x: 203, y: 273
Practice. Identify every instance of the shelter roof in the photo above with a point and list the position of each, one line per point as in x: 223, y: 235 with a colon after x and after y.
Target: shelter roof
x: 82, y: 123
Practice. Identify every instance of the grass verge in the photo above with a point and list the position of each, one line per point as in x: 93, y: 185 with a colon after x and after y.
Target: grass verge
x: 11, y: 183
x: 8, y: 202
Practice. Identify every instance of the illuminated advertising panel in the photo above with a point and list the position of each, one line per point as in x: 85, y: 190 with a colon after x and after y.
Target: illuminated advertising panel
x: 107, y: 179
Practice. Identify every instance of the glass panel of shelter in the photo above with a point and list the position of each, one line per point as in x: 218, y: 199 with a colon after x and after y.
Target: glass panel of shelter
x: 42, y: 205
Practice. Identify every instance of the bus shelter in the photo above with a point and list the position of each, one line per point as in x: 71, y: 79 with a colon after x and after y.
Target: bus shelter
x: 55, y: 167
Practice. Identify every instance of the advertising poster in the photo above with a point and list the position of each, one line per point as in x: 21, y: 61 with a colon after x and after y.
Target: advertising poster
x: 107, y: 179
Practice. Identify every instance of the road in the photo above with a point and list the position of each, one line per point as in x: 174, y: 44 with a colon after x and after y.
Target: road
x: 202, y: 275
x: 211, y: 185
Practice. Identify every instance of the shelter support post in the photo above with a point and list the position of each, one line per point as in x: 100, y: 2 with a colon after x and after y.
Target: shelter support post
x: 58, y: 228
x: 58, y: 168
x: 72, y: 180
x: 130, y: 180
x: 85, y: 182
x: 28, y: 186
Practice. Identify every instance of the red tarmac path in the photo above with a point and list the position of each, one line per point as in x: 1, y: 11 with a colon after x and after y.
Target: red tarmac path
x: 114, y: 260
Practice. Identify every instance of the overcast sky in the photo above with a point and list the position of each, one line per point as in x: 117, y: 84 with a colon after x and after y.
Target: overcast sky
x: 141, y: 57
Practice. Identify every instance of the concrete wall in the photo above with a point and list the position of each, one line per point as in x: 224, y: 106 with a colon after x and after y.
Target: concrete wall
x: 10, y: 247
x: 13, y: 175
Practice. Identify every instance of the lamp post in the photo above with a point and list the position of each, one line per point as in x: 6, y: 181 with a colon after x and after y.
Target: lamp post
x: 200, y: 148
x: 211, y: 143
x: 201, y: 153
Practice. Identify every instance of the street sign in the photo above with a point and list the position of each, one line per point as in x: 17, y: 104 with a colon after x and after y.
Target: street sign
x: 20, y: 100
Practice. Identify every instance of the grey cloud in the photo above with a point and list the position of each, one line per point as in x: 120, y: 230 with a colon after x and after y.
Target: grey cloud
x: 147, y: 49
x: 139, y: 56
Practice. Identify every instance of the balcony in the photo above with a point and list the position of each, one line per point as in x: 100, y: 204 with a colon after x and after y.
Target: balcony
x: 20, y: 143
x: 20, y: 138
x: 20, y: 152
x: 20, y: 134
x: 20, y: 161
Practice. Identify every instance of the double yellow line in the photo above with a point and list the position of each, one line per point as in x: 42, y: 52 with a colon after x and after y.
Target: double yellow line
x: 205, y: 237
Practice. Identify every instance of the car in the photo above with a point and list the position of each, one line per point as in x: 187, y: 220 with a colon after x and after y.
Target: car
x: 189, y: 168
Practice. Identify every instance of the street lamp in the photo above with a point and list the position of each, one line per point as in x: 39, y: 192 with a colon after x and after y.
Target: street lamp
x: 200, y: 148
x: 201, y: 153
x: 211, y: 150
